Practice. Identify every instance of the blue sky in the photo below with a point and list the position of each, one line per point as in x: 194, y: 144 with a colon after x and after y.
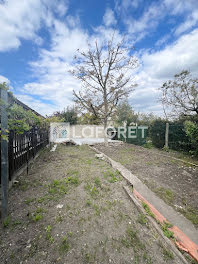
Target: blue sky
x: 38, y: 39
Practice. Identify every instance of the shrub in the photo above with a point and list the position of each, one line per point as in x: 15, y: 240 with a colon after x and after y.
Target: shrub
x: 192, y: 133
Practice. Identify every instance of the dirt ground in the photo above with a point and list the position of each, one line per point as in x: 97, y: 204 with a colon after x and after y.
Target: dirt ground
x: 72, y: 208
x: 174, y: 181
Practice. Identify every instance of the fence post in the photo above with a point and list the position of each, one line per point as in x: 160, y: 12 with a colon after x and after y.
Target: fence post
x: 166, y: 135
x: 4, y: 152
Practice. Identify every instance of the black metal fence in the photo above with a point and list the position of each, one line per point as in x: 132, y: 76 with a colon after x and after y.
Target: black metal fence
x: 23, y: 147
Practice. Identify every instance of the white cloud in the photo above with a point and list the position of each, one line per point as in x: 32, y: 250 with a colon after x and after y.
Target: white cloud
x: 22, y: 19
x: 36, y: 104
x: 158, y: 67
x: 54, y: 84
x: 190, y: 22
x: 109, y: 18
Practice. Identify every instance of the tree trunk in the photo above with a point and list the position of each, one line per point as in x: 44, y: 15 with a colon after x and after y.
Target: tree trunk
x: 105, y: 134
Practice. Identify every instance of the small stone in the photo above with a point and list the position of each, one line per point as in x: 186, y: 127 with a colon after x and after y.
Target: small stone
x: 59, y: 206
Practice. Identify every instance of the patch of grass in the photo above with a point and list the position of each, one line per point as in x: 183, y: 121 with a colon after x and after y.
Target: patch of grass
x: 29, y: 201
x: 88, y: 203
x: 165, y: 228
x: 37, y: 215
x: 61, y: 187
x: 49, y: 237
x: 22, y: 185
x: 65, y: 245
x: 73, y: 180
x: 110, y: 204
x: 147, y: 209
x: 89, y: 257
x: 190, y: 213
x: 6, y: 222
x: 97, y: 182
x: 16, y: 222
x: 92, y: 190
x: 148, y: 145
x: 59, y: 218
x: 132, y: 240
x: 112, y: 176
x: 167, y: 254
x: 142, y: 219
x: 166, y: 194
x: 97, y: 209
x: 147, y: 259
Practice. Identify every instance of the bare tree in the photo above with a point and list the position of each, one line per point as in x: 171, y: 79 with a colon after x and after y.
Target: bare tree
x: 105, y: 73
x: 181, y: 95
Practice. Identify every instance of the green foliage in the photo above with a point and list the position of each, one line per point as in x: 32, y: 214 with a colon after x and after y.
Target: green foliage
x: 142, y: 219
x: 112, y: 176
x: 126, y: 114
x: 192, y: 133
x: 49, y: 237
x: 68, y: 115
x: 132, y: 240
x: 168, y: 255
x: 64, y: 246
x: 21, y: 120
x: 166, y: 231
x: 6, y: 221
x: 4, y: 86
x: 147, y: 209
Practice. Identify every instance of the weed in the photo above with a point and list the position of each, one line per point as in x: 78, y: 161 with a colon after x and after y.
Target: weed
x: 166, y: 194
x: 16, y: 222
x: 147, y: 259
x: 72, y: 180
x: 166, y: 231
x: 49, y: 237
x: 29, y: 201
x: 92, y: 190
x: 148, y: 145
x: 59, y: 218
x: 88, y: 203
x: 132, y: 240
x: 142, y: 219
x: 167, y: 254
x: 97, y: 209
x: 6, y: 221
x: 147, y: 209
x: 110, y: 204
x: 70, y: 234
x: 97, y: 182
x: 190, y: 213
x: 64, y: 246
x: 112, y: 176
x: 37, y: 215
